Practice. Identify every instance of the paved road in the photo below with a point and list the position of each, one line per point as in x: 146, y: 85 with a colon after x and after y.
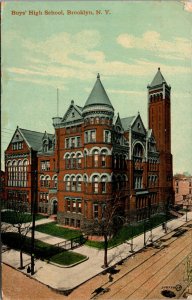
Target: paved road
x: 69, y: 278
x: 152, y: 271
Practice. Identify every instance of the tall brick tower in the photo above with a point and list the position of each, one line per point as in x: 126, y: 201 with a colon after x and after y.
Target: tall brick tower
x: 159, y: 118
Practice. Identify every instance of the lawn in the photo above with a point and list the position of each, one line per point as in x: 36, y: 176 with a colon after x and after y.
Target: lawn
x: 129, y: 231
x: 55, y: 230
x: 13, y: 217
x: 42, y: 250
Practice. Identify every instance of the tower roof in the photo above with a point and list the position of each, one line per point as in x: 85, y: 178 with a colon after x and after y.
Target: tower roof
x: 158, y: 79
x: 98, y: 95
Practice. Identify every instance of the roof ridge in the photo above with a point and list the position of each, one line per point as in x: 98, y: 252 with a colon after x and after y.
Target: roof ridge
x: 35, y: 131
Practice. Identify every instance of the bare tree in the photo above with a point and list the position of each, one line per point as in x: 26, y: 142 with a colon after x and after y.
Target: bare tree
x: 20, y: 220
x: 106, y: 226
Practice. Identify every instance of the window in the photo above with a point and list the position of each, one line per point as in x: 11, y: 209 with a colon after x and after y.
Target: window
x: 103, y: 159
x: 90, y: 136
x: 78, y: 223
x: 95, y: 211
x: 73, y: 184
x: 107, y: 136
x: 79, y: 207
x: 68, y: 183
x: 72, y: 142
x: 73, y: 161
x: 78, y: 141
x: 74, y: 206
x: 95, y: 184
x: 45, y: 165
x: 55, y: 181
x: 67, y: 143
x: 68, y: 205
x: 86, y: 137
x: 67, y: 162
x: 92, y: 121
x: 79, y: 184
x: 96, y: 158
x: 93, y: 136
x: 45, y: 146
x: 78, y: 161
x: 67, y: 221
x: 103, y: 185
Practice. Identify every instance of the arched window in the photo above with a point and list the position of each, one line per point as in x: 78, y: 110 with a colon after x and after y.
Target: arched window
x: 103, y: 158
x: 67, y: 183
x: 67, y: 161
x: 104, y: 184
x: 73, y: 183
x: 78, y: 183
x: 42, y: 181
x: 96, y: 158
x: 79, y: 161
x: 72, y: 161
x: 47, y: 181
x: 55, y: 181
x: 96, y: 184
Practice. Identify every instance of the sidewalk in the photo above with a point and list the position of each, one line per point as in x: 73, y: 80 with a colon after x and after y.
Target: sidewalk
x: 64, y: 279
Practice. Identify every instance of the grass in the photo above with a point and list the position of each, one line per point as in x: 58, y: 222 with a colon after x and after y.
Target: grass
x: 127, y: 232
x: 42, y: 250
x: 13, y: 217
x: 67, y: 258
x: 55, y: 230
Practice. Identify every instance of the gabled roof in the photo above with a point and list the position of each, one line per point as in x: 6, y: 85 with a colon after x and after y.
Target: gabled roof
x: 98, y: 95
x: 74, y: 113
x: 158, y: 79
x: 33, y: 138
x: 127, y: 122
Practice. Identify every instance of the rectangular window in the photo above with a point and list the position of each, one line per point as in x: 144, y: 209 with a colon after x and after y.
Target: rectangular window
x: 103, y: 160
x: 78, y: 223
x: 72, y: 222
x: 86, y: 136
x: 92, y: 136
x: 68, y: 205
x: 96, y: 187
x: 95, y: 211
x: 103, y: 187
x: 107, y: 136
x: 74, y: 206
x: 72, y: 142
x: 67, y: 221
x: 78, y: 141
x: 79, y: 207
x: 67, y: 143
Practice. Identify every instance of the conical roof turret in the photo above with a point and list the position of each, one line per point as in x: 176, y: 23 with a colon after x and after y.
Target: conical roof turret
x: 98, y: 95
x: 98, y: 100
x: 158, y: 80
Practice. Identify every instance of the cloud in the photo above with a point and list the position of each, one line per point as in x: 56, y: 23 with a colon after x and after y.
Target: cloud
x: 151, y: 41
x: 67, y: 56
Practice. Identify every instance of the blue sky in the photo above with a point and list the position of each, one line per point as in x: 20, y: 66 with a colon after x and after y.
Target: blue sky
x: 43, y: 53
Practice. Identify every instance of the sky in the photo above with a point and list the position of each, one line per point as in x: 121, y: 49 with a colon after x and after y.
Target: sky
x: 125, y: 43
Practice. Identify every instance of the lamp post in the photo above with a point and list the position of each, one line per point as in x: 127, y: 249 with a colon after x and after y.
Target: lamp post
x: 33, y: 208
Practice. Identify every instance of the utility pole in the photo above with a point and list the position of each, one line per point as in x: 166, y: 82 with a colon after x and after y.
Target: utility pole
x: 33, y: 210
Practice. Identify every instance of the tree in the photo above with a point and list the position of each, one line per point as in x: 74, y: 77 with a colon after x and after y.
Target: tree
x: 22, y: 222
x: 107, y: 226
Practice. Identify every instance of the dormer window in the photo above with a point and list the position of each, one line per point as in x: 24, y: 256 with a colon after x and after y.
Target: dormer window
x: 73, y: 114
x: 138, y: 125
x: 45, y: 146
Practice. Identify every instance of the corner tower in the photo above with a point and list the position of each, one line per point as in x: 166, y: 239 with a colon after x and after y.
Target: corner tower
x: 159, y: 118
